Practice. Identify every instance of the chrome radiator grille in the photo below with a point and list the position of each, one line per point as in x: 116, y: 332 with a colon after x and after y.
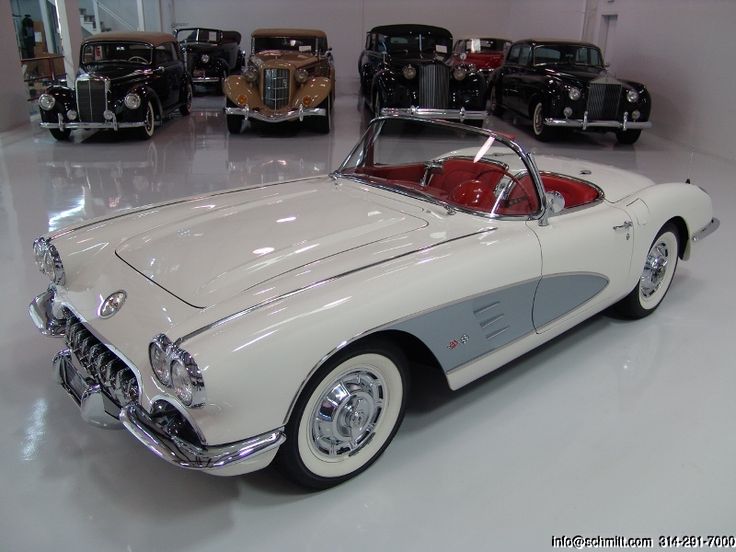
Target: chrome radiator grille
x: 434, y: 85
x: 101, y: 364
x: 603, y: 100
x: 276, y: 88
x: 91, y: 100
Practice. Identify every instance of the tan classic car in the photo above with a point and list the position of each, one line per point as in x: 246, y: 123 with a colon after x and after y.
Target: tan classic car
x: 290, y: 75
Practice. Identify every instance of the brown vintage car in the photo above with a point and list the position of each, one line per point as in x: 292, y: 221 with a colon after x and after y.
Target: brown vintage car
x: 289, y: 76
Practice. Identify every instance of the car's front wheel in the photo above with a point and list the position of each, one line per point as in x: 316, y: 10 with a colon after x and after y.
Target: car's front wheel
x: 324, y: 124
x: 60, y: 135
x: 541, y: 131
x: 346, y: 416
x: 186, y: 107
x: 628, y: 136
x: 149, y: 122
x: 656, y: 276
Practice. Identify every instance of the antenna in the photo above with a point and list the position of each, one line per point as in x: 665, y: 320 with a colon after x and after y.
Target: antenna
x: 690, y: 168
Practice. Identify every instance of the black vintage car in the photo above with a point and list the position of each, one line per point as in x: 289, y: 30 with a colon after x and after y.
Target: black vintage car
x: 564, y: 84
x: 125, y: 80
x: 407, y: 69
x: 210, y: 54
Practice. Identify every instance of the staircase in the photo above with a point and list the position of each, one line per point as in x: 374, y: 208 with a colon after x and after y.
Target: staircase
x: 89, y: 23
x: 92, y: 23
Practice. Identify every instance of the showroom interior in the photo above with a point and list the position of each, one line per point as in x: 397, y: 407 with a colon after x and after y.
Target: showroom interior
x: 615, y: 428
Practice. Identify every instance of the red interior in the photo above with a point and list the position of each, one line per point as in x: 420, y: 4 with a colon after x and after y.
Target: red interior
x: 574, y: 191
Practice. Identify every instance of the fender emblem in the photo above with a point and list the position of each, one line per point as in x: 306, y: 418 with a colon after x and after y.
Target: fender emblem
x: 462, y: 340
x: 112, y: 304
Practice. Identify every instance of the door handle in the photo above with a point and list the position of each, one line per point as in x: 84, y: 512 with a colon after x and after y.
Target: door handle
x: 625, y: 226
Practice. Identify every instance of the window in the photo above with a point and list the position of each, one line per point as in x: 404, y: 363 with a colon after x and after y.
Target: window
x: 525, y: 54
x: 163, y: 54
x: 514, y: 54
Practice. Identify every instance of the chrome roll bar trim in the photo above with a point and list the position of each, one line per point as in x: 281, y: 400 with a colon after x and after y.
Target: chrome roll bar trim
x: 707, y: 230
x: 432, y: 113
x: 291, y: 115
x: 184, y: 454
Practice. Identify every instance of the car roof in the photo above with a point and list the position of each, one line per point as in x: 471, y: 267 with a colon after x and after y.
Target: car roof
x: 154, y: 39
x: 543, y: 40
x: 264, y: 33
x: 408, y: 28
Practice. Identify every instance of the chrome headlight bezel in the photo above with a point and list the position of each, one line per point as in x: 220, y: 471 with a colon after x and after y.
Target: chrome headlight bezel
x: 409, y: 72
x: 632, y: 96
x: 46, y: 102
x: 573, y: 93
x: 301, y: 75
x: 132, y: 101
x: 48, y: 261
x: 177, y: 371
x: 204, y: 58
x: 251, y: 75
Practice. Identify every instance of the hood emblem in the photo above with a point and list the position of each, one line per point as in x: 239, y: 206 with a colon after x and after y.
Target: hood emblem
x: 112, y: 304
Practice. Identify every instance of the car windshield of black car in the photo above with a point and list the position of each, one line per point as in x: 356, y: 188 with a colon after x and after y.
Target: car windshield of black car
x: 567, y: 54
x: 116, y: 52
x: 197, y: 35
x: 414, y: 42
x: 299, y: 44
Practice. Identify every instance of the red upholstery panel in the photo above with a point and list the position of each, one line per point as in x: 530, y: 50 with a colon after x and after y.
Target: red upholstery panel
x: 410, y: 172
x: 457, y: 171
x: 474, y: 194
x: 575, y: 192
x: 522, y: 200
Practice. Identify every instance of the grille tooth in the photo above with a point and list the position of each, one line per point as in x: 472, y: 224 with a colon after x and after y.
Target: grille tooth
x: 603, y: 101
x: 276, y: 88
x: 91, y: 100
x: 434, y: 86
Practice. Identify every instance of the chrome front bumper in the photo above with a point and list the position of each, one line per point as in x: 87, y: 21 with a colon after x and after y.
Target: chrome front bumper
x: 71, y: 125
x: 430, y: 113
x: 584, y: 123
x: 205, y: 80
x: 291, y: 115
x: 707, y: 230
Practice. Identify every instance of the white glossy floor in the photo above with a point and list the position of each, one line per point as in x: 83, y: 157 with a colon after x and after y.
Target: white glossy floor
x: 617, y: 428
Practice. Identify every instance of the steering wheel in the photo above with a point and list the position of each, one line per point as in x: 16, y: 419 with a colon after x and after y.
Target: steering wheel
x: 138, y: 59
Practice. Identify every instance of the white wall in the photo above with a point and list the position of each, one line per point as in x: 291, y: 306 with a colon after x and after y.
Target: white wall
x: 13, y: 93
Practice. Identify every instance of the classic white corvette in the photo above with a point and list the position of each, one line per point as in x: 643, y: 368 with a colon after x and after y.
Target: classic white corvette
x: 279, y: 321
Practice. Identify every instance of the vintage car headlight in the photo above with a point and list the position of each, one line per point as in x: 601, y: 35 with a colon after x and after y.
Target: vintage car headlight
x: 177, y: 370
x: 573, y: 93
x: 632, y: 96
x: 301, y: 76
x: 132, y: 101
x: 204, y: 58
x: 48, y: 261
x: 409, y: 72
x: 251, y: 74
x: 459, y: 73
x: 46, y: 102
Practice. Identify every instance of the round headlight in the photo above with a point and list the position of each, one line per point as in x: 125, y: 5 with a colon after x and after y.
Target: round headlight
x: 632, y: 96
x: 573, y: 93
x: 301, y: 75
x: 635, y: 115
x: 46, y: 102
x: 71, y: 115
x: 132, y: 101
x: 251, y: 74
x: 159, y: 362
x: 182, y: 382
x: 204, y: 58
x: 459, y: 73
x: 409, y: 72
x: 50, y: 264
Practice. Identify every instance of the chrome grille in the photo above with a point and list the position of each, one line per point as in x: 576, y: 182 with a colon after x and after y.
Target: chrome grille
x: 91, y: 100
x: 101, y: 364
x: 276, y: 88
x: 603, y: 100
x: 434, y: 85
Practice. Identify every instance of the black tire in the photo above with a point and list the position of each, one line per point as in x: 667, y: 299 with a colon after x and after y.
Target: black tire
x: 234, y: 122
x: 324, y: 124
x: 149, y: 122
x: 656, y: 278
x: 186, y: 107
x: 221, y: 85
x: 542, y: 132
x: 320, y: 455
x: 628, y: 136
x: 60, y: 135
x: 494, y: 106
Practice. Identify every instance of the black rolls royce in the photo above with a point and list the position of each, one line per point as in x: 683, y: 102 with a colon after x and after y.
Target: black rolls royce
x: 211, y: 55
x: 125, y: 80
x: 565, y: 84
x: 407, y: 69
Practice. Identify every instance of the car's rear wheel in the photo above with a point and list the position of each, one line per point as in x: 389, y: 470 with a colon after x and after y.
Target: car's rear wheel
x: 346, y: 416
x: 186, y: 107
x: 149, y: 122
x: 542, y: 132
x: 60, y: 135
x: 628, y: 136
x: 656, y: 276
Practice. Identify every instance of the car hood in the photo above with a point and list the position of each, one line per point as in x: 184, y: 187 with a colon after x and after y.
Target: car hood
x: 117, y: 72
x: 283, y: 58
x: 578, y: 75
x: 400, y: 58
x: 208, y: 251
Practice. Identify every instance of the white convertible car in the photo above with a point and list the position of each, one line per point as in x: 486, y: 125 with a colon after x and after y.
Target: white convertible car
x: 279, y: 322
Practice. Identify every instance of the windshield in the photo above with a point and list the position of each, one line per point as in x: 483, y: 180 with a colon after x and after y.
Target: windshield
x: 118, y: 52
x: 198, y: 35
x: 414, y: 43
x: 568, y: 54
x: 305, y: 44
x: 484, y: 45
x: 461, y: 168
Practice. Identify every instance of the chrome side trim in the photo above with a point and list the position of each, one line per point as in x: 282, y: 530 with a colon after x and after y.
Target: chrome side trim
x: 432, y: 113
x: 75, y: 125
x: 707, y: 230
x: 291, y: 115
x: 184, y: 454
x: 584, y: 123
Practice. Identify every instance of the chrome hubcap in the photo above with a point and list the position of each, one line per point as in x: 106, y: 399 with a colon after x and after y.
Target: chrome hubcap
x: 655, y: 269
x: 149, y: 119
x: 345, y: 418
x: 538, y: 123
